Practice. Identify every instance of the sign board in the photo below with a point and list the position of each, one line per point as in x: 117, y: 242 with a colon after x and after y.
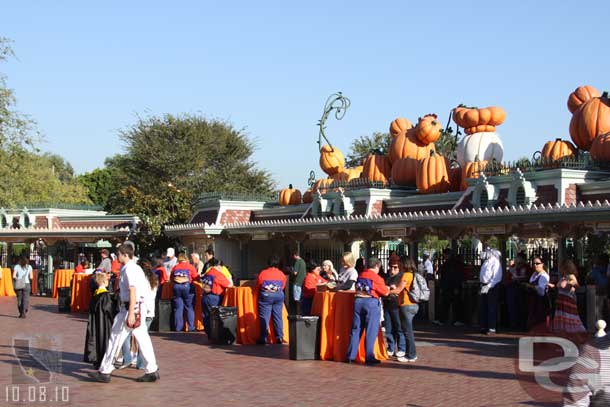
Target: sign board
x: 491, y: 230
x: 396, y: 232
x: 319, y: 235
x: 260, y: 236
x: 532, y: 226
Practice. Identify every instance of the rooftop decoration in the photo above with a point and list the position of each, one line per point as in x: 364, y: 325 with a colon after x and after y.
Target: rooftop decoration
x: 331, y: 158
x: 591, y: 119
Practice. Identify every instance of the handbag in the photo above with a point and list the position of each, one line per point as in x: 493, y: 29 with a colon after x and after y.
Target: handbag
x: 138, y: 320
x: 19, y: 283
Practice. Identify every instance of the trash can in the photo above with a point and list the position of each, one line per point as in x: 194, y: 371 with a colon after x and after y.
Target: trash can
x: 163, y: 317
x: 303, y: 337
x: 223, y: 325
x: 64, y: 296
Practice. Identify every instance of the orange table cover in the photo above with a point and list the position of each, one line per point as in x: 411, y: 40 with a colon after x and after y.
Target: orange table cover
x: 167, y: 293
x: 336, y: 311
x: 81, y: 292
x: 61, y: 278
x: 248, y: 329
x: 6, y: 284
x: 34, y: 282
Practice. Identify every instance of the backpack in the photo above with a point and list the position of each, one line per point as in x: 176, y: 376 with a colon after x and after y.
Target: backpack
x: 419, y: 291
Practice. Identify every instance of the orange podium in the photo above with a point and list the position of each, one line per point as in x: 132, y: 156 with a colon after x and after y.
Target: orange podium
x: 81, y: 292
x: 248, y: 329
x: 167, y: 293
x: 61, y: 278
x: 336, y: 311
x: 6, y: 284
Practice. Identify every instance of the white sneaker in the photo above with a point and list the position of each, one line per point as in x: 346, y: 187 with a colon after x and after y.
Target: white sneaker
x: 402, y: 359
x: 125, y: 365
x: 390, y: 354
x: 400, y: 354
x: 412, y: 360
x: 458, y: 323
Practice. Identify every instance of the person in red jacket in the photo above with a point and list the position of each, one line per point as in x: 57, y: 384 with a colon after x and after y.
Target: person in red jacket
x: 310, y: 285
x: 367, y: 311
x: 182, y: 275
x: 270, y: 288
x: 214, y: 286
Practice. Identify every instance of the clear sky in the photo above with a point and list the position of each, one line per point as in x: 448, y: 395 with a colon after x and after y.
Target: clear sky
x: 84, y: 71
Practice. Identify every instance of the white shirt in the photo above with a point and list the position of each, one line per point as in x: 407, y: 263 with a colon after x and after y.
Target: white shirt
x: 23, y: 272
x: 491, y: 272
x: 132, y: 275
x: 543, y: 281
x: 149, y: 300
x: 428, y: 267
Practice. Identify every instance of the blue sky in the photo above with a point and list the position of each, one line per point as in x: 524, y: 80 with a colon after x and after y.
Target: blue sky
x: 83, y: 72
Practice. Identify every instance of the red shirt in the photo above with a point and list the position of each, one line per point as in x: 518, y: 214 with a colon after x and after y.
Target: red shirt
x: 161, y: 274
x: 310, y: 284
x: 215, y: 279
x: 271, y: 279
x: 79, y: 268
x: 370, y: 283
x: 115, y: 267
x: 185, y: 269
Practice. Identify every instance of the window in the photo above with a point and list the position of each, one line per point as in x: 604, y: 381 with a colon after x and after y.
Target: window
x: 484, y: 200
x: 520, y: 198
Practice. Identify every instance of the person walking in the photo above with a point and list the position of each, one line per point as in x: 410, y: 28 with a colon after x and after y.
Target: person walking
x: 270, y: 286
x: 367, y: 312
x: 22, y: 276
x: 132, y: 291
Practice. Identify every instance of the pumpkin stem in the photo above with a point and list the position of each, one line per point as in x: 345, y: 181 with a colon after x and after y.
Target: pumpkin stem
x: 289, y: 186
x: 557, y: 139
x: 605, y: 95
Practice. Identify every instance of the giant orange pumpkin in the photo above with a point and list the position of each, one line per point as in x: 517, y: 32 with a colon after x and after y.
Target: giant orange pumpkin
x: 580, y: 96
x: 400, y: 125
x: 472, y: 169
x: 407, y: 145
x: 377, y: 168
x: 432, y: 175
x: 290, y: 196
x: 467, y: 117
x: 308, y: 196
x: 404, y: 171
x: 331, y: 159
x: 558, y: 149
x: 590, y: 120
x: 600, y: 148
x: 428, y: 129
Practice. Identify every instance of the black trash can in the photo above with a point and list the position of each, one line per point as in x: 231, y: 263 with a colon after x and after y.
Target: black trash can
x: 223, y: 321
x: 303, y: 337
x: 163, y: 317
x: 64, y: 296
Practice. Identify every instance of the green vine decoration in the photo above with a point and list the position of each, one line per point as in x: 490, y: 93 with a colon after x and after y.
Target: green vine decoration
x: 339, y: 104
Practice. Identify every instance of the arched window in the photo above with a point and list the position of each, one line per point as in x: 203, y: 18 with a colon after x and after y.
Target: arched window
x: 520, y: 196
x: 484, y: 200
x: 3, y: 221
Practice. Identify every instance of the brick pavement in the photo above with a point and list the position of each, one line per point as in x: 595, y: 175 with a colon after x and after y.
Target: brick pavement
x: 455, y: 368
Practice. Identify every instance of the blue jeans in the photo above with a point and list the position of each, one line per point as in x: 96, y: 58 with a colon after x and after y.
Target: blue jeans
x: 367, y: 313
x: 393, y: 329
x: 183, y: 298
x: 489, y: 308
x: 127, y: 360
x: 207, y: 302
x: 271, y: 305
x: 296, y: 292
x: 407, y: 313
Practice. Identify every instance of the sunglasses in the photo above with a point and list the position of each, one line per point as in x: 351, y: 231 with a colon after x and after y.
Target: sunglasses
x: 394, y: 267
x: 537, y: 264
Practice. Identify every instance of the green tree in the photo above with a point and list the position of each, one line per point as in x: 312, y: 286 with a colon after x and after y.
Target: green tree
x: 364, y: 145
x: 170, y: 160
x: 61, y: 168
x: 101, y: 185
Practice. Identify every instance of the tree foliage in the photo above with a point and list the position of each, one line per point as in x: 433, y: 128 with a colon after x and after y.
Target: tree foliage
x: 364, y: 145
x: 101, y: 184
x: 169, y: 161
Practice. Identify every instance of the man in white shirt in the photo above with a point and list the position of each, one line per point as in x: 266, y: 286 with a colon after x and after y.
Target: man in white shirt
x: 428, y: 268
x: 489, y: 277
x: 170, y: 260
x: 133, y: 290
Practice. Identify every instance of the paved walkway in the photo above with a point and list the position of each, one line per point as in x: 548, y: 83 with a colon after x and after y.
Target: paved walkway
x: 455, y: 368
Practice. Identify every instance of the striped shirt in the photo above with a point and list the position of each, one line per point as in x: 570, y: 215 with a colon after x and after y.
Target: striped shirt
x: 591, y: 375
